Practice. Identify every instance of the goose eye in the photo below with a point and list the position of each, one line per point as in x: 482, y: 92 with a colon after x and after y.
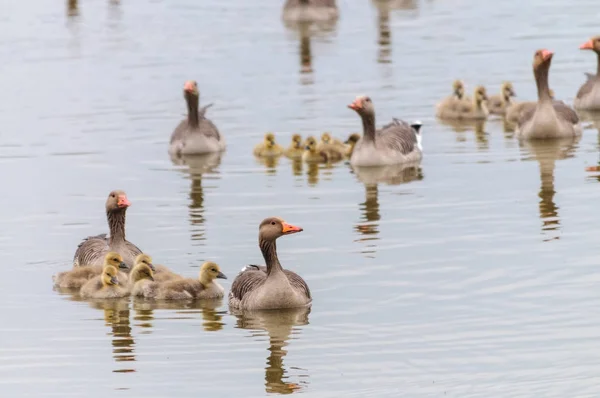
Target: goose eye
x: 272, y: 222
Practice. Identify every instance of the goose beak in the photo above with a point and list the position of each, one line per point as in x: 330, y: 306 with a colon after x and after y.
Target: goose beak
x: 356, y: 105
x: 114, y: 281
x: 221, y: 275
x: 547, y: 54
x: 122, y: 265
x: 123, y: 201
x: 290, y: 229
x: 588, y: 45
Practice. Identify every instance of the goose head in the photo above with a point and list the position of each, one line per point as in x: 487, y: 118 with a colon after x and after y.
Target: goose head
x: 190, y: 89
x: 542, y: 59
x: 145, y: 259
x: 507, y: 90
x: 109, y: 276
x: 141, y: 271
x: 114, y: 259
x: 362, y: 105
x: 458, y: 89
x: 210, y: 271
x: 273, y: 227
x: 311, y: 144
x: 297, y: 141
x: 592, y: 44
x: 117, y: 200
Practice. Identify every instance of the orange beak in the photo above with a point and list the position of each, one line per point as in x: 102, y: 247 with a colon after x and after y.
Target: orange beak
x: 588, y: 45
x: 546, y: 54
x: 123, y: 201
x: 356, y: 105
x: 290, y: 229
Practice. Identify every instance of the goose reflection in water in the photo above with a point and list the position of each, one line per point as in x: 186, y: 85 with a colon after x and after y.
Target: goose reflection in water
x: 279, y: 326
x: 197, y: 167
x: 383, y: 21
x: 398, y: 174
x: 212, y: 319
x: 547, y: 152
x: 72, y: 8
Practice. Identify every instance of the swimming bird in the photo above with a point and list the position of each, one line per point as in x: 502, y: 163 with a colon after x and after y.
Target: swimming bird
x: 588, y: 96
x: 270, y: 286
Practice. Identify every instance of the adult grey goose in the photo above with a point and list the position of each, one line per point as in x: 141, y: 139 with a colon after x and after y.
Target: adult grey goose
x: 93, y: 248
x: 396, y: 142
x: 588, y: 96
x: 269, y: 287
x: 548, y: 119
x: 196, y: 134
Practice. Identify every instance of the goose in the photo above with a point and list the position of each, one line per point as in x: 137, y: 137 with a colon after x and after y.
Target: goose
x: 333, y: 147
x: 588, y: 96
x: 549, y: 119
x: 160, y: 272
x: 109, y: 283
x: 350, y: 143
x: 310, y: 11
x: 311, y: 154
x: 93, y: 248
x: 79, y: 276
x: 396, y: 142
x: 468, y: 109
x: 497, y: 104
x: 458, y: 94
x: 296, y: 149
x: 268, y: 147
x: 270, y: 286
x: 514, y: 110
x: 196, y: 135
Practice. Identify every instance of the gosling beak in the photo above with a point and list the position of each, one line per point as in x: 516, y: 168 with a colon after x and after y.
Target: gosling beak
x: 356, y: 105
x: 122, y: 201
x: 122, y: 265
x: 290, y: 229
x: 221, y: 275
x: 151, y: 267
x: 513, y: 93
x: 151, y: 278
x: 588, y: 45
x: 114, y: 280
x: 307, y: 148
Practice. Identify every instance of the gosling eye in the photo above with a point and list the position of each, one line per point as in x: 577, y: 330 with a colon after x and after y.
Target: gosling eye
x: 213, y: 270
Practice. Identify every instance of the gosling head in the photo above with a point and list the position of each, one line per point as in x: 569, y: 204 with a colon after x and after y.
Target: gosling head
x: 326, y: 137
x: 114, y: 259
x: 507, y: 90
x: 353, y: 139
x: 592, y: 44
x: 362, y: 105
x: 297, y: 141
x: 480, y: 94
x: 141, y: 271
x: 458, y: 89
x: 311, y: 144
x: 270, y: 140
x: 542, y: 58
x: 145, y: 259
x: 117, y: 201
x: 273, y: 227
x: 210, y: 271
x: 109, y: 276
x: 190, y: 89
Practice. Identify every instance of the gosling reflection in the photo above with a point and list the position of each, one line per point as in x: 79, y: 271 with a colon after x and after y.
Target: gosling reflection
x: 212, y: 318
x: 462, y: 126
x: 312, y: 174
x: 279, y: 325
x: 116, y: 316
x: 547, y: 152
x: 197, y: 167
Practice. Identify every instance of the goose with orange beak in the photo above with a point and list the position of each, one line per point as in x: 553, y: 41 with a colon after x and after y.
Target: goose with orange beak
x: 269, y: 287
x: 588, y: 96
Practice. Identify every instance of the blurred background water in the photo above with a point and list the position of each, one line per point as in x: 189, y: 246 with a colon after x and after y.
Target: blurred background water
x: 475, y: 275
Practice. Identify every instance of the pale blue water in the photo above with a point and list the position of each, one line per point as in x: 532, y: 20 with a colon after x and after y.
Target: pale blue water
x: 476, y: 276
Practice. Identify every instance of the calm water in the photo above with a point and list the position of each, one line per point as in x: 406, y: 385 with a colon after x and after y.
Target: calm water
x: 474, y: 276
